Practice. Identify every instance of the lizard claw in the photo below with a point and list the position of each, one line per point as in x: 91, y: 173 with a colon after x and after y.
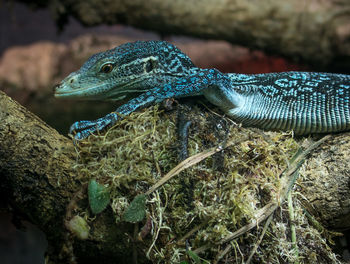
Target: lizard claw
x: 83, y: 129
x: 81, y: 125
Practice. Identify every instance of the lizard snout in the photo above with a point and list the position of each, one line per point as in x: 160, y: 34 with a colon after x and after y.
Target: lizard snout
x: 67, y: 86
x: 56, y: 87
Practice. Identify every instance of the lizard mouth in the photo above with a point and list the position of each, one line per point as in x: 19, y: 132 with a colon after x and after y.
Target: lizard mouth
x: 62, y: 90
x: 73, y: 86
x: 97, y: 92
x: 94, y: 91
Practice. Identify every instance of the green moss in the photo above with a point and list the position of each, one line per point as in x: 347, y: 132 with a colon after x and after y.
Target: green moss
x: 208, y: 201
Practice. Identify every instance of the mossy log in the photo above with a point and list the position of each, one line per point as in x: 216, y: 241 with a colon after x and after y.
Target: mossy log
x: 327, y: 182
x: 315, y: 32
x: 44, y: 183
x: 38, y: 181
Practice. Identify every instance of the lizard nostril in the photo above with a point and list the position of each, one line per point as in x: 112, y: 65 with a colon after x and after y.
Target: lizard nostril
x: 71, y: 80
x: 55, y: 87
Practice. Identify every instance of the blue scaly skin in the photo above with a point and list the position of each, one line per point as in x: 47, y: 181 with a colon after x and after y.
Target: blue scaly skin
x: 149, y: 72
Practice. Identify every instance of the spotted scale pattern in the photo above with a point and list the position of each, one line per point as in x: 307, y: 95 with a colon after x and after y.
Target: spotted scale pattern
x: 151, y: 71
x: 305, y: 102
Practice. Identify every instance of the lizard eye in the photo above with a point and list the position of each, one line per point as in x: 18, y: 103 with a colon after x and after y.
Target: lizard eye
x: 107, y: 68
x: 151, y: 64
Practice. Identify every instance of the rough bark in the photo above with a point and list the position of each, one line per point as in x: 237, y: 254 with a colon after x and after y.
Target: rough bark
x: 327, y: 182
x: 316, y: 32
x: 39, y: 182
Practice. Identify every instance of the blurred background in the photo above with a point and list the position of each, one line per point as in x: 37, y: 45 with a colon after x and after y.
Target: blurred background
x: 43, y: 41
x: 35, y: 55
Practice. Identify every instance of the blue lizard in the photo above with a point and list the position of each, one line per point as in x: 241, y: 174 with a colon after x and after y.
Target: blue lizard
x: 148, y: 72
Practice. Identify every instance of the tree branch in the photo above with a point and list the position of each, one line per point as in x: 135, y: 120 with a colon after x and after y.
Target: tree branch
x: 40, y: 184
x: 315, y: 32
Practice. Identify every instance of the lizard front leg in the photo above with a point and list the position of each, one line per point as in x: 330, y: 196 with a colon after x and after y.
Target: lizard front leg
x: 190, y: 85
x: 83, y: 129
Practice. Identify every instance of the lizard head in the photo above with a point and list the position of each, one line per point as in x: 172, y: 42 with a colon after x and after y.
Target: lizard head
x: 126, y: 70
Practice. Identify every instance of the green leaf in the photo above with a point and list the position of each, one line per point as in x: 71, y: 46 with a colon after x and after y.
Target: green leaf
x: 194, y: 256
x: 136, y: 210
x: 98, y: 196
